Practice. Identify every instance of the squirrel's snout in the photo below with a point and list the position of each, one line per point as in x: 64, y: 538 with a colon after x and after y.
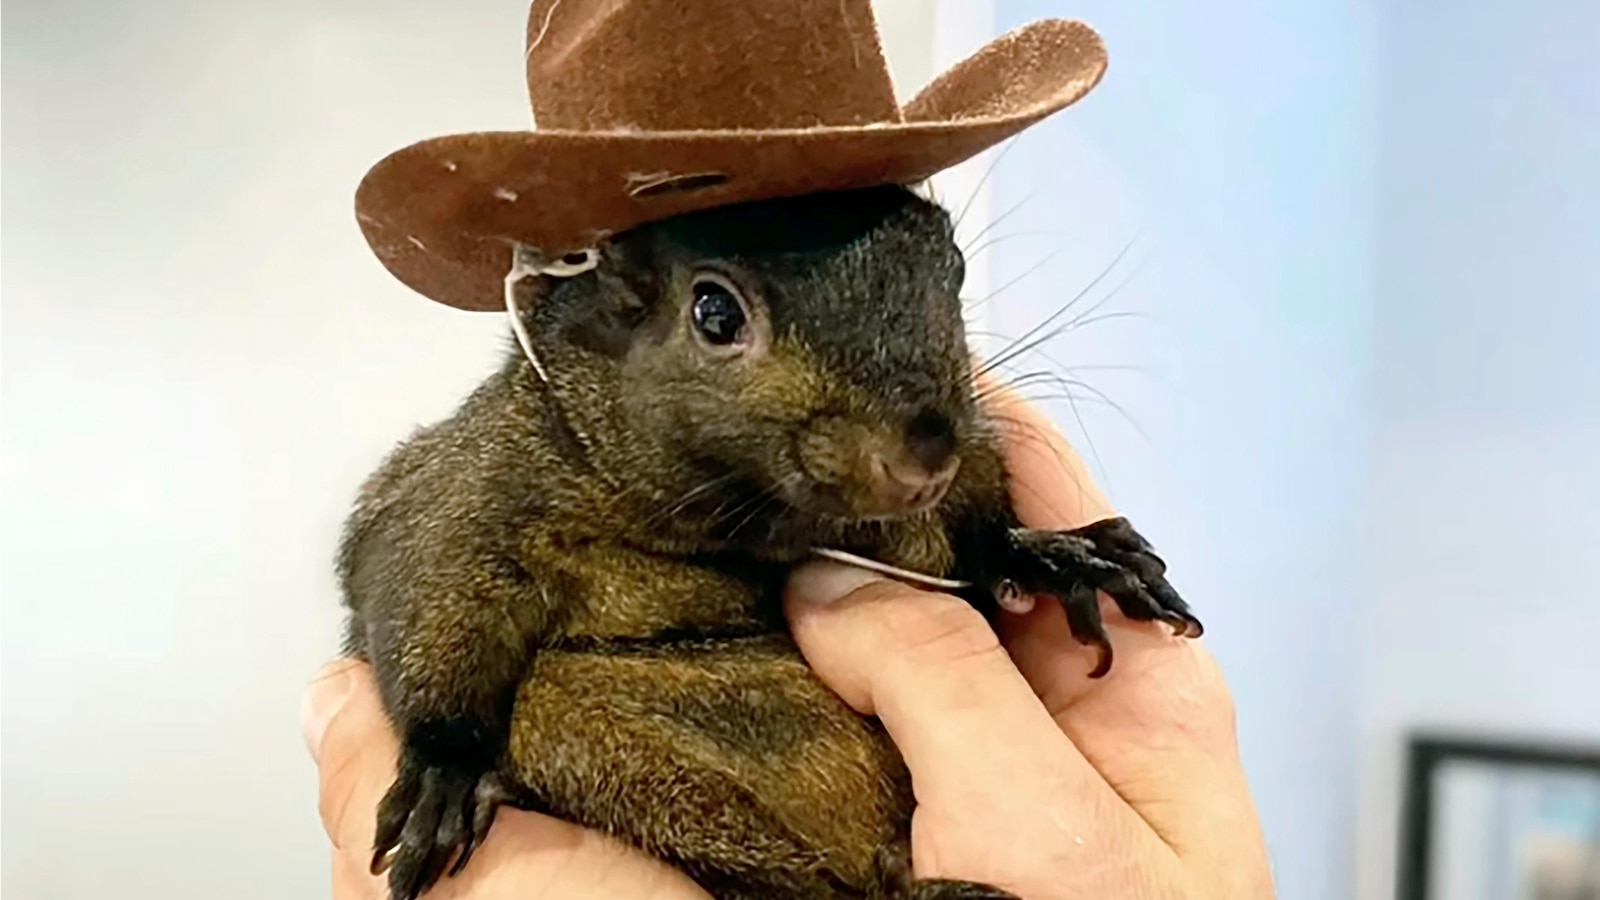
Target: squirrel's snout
x: 921, y: 475
x: 875, y: 472
x: 910, y: 486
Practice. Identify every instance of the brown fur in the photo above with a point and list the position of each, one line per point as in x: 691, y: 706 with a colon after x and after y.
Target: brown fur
x: 570, y: 591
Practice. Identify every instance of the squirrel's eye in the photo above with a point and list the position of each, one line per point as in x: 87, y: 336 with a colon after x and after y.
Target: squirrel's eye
x: 718, y: 314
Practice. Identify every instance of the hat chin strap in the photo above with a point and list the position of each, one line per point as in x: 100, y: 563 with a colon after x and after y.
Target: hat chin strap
x: 873, y: 565
x: 526, y: 261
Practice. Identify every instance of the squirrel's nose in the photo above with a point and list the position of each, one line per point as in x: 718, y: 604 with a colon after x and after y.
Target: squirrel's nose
x: 909, y: 485
x: 931, y: 438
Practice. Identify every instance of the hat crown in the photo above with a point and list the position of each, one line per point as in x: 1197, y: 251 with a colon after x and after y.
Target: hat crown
x: 734, y: 65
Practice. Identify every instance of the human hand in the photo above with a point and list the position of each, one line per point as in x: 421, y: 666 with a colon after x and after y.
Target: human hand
x: 1028, y: 775
x: 526, y: 856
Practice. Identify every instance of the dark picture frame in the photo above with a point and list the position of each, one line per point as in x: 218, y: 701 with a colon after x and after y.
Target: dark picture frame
x: 1429, y: 756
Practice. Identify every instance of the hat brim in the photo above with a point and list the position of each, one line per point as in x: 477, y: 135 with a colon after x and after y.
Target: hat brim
x: 443, y: 214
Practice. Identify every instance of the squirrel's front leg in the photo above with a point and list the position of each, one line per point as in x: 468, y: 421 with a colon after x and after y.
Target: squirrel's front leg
x: 448, y: 664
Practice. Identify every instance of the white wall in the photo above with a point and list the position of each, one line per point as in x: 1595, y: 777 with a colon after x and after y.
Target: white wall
x: 1237, y: 135
x: 201, y: 361
x: 1480, y: 603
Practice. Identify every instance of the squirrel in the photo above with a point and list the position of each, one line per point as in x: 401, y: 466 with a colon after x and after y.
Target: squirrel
x: 569, y: 590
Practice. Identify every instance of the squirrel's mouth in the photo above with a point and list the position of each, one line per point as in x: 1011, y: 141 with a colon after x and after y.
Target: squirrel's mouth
x: 883, y: 495
x: 796, y: 514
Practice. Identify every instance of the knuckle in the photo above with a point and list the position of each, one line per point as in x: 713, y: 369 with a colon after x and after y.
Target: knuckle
x: 939, y: 629
x: 1198, y: 701
x: 1223, y: 712
x: 336, y: 792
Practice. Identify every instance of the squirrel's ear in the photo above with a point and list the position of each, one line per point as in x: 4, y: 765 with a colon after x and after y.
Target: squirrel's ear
x: 597, y: 311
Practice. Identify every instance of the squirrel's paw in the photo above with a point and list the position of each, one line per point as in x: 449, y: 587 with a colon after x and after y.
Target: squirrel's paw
x: 896, y: 881
x: 957, y: 890
x: 433, y: 817
x: 1107, y: 556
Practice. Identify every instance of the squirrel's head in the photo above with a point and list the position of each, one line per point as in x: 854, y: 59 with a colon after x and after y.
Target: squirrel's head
x: 807, y: 355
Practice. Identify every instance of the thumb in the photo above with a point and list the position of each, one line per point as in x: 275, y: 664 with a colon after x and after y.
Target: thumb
x: 830, y: 606
x: 871, y: 638
x: 925, y: 664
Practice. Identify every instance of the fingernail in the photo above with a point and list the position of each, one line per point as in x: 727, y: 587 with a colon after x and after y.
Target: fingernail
x: 323, y: 699
x: 821, y: 583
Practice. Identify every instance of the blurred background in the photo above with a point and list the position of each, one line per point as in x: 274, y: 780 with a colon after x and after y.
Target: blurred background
x: 1350, y: 386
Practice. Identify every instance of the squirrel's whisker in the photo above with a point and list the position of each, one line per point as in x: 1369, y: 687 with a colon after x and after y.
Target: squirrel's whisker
x: 1006, y: 352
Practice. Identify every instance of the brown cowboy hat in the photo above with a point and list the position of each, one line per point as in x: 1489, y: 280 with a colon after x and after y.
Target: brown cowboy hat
x: 650, y: 108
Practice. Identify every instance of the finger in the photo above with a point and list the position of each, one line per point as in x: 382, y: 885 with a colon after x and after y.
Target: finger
x: 352, y: 881
x: 324, y: 696
x: 1051, y: 489
x: 356, y: 752
x: 1160, y: 726
x: 926, y: 664
x: 528, y: 856
x: 982, y: 751
x: 1158, y: 679
x: 1163, y: 697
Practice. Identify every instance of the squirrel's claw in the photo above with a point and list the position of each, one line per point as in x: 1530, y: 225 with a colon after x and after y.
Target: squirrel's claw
x: 431, y: 816
x: 491, y: 793
x: 1107, y: 556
